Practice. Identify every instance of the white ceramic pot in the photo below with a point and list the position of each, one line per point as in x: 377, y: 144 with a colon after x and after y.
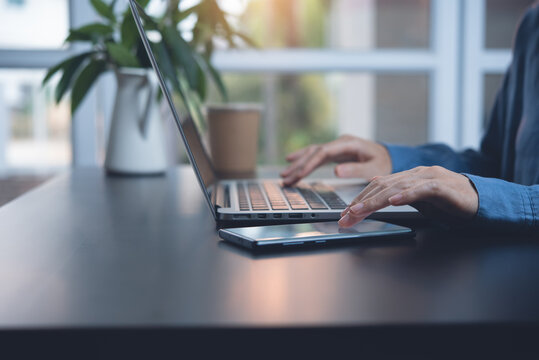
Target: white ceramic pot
x: 136, y: 143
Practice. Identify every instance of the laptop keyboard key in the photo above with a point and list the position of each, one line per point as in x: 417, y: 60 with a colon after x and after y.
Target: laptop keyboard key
x: 257, y: 198
x: 312, y: 199
x: 242, y: 198
x: 329, y: 196
x: 295, y: 199
x: 275, y: 197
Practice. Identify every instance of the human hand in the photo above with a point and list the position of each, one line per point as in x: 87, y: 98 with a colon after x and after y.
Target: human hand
x: 434, y: 191
x: 358, y: 157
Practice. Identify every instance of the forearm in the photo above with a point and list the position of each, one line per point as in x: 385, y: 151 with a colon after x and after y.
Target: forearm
x: 469, y: 161
x: 506, y: 206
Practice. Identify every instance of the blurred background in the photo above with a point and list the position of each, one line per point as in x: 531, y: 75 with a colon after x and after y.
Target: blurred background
x: 401, y: 71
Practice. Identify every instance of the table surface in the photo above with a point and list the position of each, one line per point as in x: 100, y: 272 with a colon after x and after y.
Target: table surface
x: 87, y: 250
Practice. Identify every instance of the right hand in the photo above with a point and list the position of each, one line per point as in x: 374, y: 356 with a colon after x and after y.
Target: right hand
x: 357, y: 157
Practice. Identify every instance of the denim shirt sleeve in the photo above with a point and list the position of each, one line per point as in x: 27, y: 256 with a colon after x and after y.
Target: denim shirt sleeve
x: 506, y: 206
x: 468, y: 161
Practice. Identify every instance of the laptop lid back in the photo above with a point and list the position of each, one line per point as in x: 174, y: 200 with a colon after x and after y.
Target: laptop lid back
x: 195, y: 150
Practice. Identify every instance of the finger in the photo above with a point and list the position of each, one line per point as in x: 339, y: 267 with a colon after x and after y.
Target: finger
x: 378, y: 197
x: 321, y: 155
x: 363, y: 209
x: 368, y: 190
x: 302, y: 168
x: 378, y: 184
x: 402, y: 180
x: 296, y: 154
x: 349, y: 170
x: 349, y: 220
x: 444, y: 198
x: 298, y: 163
x: 340, y: 149
x: 374, y: 202
x: 424, y: 191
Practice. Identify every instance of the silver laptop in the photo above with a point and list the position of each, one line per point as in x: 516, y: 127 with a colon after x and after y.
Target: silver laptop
x: 258, y: 200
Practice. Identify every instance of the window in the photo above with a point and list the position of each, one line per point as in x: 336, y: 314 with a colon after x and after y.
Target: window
x: 37, y: 129
x: 49, y: 17
x: 405, y: 71
x: 414, y: 69
x: 339, y: 24
x: 300, y: 109
x: 489, y: 26
x: 35, y: 133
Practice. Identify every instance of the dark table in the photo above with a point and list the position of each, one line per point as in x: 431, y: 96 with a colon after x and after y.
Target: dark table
x: 138, y: 261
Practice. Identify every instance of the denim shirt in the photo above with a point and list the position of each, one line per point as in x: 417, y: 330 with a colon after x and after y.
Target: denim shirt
x: 505, y: 171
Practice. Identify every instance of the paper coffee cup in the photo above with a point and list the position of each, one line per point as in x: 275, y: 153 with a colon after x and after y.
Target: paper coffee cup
x: 233, y: 136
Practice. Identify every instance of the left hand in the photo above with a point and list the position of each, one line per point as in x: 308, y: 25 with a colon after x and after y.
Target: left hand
x: 434, y: 188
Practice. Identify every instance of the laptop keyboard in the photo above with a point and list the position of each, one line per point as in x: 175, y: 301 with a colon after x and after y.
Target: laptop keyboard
x: 303, y: 197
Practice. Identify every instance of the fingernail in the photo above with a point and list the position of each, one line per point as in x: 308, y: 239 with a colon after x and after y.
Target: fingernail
x: 357, y: 207
x: 395, y: 198
x: 345, y: 211
x: 344, y: 219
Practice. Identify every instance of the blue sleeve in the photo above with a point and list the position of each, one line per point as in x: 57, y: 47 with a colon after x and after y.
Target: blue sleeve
x: 485, y: 162
x: 468, y: 161
x: 506, y: 206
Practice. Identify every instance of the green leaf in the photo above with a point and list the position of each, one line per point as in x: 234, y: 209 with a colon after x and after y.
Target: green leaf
x: 128, y: 31
x: 218, y: 80
x: 165, y: 65
x: 179, y: 16
x: 67, y: 77
x: 122, y: 55
x: 104, y: 10
x: 201, y: 84
x: 75, y: 35
x: 53, y: 70
x: 216, y: 77
x: 246, y: 39
x: 182, y: 54
x: 191, y: 101
x: 90, y: 32
x: 84, y: 82
x: 143, y: 3
x: 96, y: 29
x: 147, y: 20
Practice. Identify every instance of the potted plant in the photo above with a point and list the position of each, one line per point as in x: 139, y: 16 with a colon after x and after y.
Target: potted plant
x: 135, y: 143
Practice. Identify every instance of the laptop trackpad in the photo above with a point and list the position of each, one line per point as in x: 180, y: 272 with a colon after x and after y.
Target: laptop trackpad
x: 348, y: 192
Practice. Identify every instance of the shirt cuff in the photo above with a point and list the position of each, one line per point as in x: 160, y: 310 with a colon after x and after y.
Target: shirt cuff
x: 502, y: 205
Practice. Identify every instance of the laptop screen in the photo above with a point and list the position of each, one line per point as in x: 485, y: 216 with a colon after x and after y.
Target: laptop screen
x: 188, y: 130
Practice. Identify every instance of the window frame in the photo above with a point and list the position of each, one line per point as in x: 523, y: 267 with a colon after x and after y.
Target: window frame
x: 83, y: 123
x: 456, y: 63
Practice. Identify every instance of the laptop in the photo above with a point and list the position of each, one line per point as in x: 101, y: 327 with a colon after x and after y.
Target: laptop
x: 258, y: 200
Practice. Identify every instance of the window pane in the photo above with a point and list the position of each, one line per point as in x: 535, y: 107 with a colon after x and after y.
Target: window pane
x: 402, y: 109
x: 33, y: 23
x: 35, y: 131
x: 502, y: 20
x: 314, y: 108
x: 344, y: 24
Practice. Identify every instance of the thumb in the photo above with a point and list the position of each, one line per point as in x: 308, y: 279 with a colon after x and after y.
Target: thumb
x: 350, y: 170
